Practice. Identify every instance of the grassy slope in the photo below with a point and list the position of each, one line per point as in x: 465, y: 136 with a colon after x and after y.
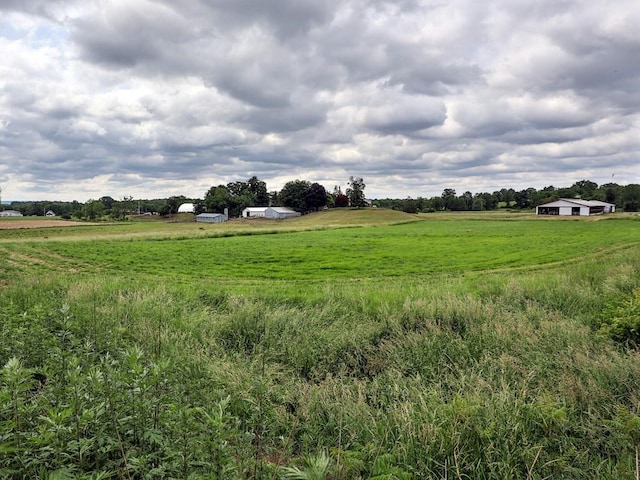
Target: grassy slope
x: 430, y: 358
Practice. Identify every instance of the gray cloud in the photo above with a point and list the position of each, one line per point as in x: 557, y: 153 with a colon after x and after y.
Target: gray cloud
x: 153, y: 98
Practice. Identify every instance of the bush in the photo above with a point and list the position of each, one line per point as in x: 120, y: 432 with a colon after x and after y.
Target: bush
x: 622, y: 322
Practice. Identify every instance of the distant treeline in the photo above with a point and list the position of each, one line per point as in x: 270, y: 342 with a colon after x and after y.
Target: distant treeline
x: 306, y: 196
x: 625, y: 197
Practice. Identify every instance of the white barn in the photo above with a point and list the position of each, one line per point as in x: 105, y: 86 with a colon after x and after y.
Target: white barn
x: 280, y: 212
x: 575, y: 207
x: 269, y: 212
x: 254, y: 212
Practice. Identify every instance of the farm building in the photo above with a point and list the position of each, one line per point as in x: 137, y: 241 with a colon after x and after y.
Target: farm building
x: 10, y: 213
x: 576, y: 207
x: 213, y: 217
x: 269, y: 212
x: 280, y: 212
x: 186, y: 208
x: 254, y: 212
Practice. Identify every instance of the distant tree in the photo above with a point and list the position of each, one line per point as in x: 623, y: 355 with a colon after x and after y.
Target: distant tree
x: 467, y: 201
x: 478, y: 204
x: 216, y: 199
x: 355, y: 192
x: 258, y: 189
x: 341, y: 201
x: 93, y: 210
x: 449, y: 199
x: 199, y: 206
x: 631, y: 198
x: 437, y: 203
x: 410, y: 206
x: 525, y: 198
x: 107, y: 203
x: 172, y: 204
x: 610, y: 192
x: 316, y: 197
x: 585, y: 189
x: 293, y: 195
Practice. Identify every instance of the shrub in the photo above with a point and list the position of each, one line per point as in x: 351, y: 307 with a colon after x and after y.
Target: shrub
x: 622, y: 322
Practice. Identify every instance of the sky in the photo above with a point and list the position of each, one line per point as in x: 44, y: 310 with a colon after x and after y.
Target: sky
x: 154, y: 98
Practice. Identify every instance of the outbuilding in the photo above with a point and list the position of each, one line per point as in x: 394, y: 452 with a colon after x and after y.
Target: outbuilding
x: 575, y: 207
x: 213, y: 217
x: 280, y: 212
x: 269, y: 212
x: 254, y: 212
x: 10, y: 213
x: 186, y: 208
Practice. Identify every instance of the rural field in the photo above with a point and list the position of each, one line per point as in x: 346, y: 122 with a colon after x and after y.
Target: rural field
x: 347, y: 344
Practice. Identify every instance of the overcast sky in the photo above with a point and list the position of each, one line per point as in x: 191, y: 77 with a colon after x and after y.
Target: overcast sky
x: 153, y: 98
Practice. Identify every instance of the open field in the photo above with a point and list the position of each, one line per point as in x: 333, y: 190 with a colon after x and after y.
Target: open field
x: 364, y: 344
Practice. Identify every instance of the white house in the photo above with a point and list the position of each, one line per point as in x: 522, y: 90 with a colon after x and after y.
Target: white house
x: 213, y: 217
x: 269, y: 212
x: 576, y: 207
x: 186, y: 208
x: 10, y: 213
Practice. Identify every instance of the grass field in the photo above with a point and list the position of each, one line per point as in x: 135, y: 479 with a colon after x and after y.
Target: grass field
x: 341, y: 345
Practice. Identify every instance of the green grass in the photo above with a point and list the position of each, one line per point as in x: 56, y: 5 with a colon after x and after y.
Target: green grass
x: 451, y: 347
x: 416, y: 248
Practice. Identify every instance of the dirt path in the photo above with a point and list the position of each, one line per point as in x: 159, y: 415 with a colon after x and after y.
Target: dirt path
x: 11, y: 224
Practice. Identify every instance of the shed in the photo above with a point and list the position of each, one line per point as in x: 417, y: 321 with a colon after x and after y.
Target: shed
x: 575, y: 207
x: 213, y: 217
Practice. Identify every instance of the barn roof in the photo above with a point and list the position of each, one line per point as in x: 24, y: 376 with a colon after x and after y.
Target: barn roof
x: 577, y: 201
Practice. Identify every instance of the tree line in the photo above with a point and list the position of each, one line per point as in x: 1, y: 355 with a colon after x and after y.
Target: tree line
x: 304, y: 196
x: 300, y: 195
x: 626, y: 197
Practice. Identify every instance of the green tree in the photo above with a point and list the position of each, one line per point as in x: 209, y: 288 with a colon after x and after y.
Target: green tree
x: 631, y: 198
x: 93, y: 210
x: 355, y: 192
x: 585, y: 189
x: 171, y: 205
x: 410, y: 206
x: 449, y: 198
x: 217, y: 199
x: 294, y: 194
x: 258, y: 189
x: 316, y: 197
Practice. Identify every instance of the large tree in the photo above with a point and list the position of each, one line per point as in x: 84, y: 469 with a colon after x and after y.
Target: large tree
x: 355, y: 192
x: 258, y: 189
x: 316, y: 197
x: 294, y: 194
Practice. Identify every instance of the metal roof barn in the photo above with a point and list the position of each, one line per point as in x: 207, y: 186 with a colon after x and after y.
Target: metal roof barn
x: 575, y: 207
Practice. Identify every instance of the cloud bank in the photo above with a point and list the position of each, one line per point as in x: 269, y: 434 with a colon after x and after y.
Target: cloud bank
x: 152, y: 98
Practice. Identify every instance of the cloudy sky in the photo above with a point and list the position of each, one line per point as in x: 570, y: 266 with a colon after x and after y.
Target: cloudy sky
x: 152, y: 98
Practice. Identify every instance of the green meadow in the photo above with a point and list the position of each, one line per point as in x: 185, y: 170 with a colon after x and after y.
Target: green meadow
x: 355, y: 344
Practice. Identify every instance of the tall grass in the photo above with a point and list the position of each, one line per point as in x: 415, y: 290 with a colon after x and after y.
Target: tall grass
x: 498, y: 374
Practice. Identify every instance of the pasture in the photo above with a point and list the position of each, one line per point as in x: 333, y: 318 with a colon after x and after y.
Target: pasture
x: 345, y: 345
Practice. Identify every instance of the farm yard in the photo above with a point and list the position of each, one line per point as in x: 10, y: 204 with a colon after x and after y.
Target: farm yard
x: 349, y: 344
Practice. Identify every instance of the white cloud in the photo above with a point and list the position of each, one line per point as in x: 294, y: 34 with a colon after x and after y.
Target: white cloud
x: 152, y: 98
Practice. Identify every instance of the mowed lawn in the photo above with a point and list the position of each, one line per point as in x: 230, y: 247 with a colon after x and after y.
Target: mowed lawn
x: 421, y: 247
